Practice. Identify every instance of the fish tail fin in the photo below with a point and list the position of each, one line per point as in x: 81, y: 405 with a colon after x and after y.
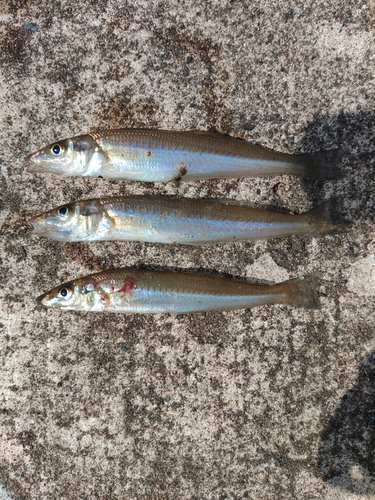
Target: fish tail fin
x: 322, y: 164
x: 301, y: 292
x: 327, y: 218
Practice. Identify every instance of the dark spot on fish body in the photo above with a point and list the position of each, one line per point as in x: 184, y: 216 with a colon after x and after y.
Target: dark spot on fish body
x: 149, y: 153
x: 129, y: 285
x: 181, y: 172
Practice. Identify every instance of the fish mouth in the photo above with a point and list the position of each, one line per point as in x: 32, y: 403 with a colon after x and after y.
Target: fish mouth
x: 37, y: 227
x: 33, y: 169
x: 41, y: 300
x: 34, y: 165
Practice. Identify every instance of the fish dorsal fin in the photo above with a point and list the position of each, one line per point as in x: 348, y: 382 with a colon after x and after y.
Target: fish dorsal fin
x: 247, y: 204
x: 224, y: 201
x: 209, y: 133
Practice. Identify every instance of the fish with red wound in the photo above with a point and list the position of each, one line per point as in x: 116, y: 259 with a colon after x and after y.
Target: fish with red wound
x: 128, y: 286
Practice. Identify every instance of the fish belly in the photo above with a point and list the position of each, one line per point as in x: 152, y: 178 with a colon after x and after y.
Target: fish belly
x: 176, y: 302
x: 164, y: 165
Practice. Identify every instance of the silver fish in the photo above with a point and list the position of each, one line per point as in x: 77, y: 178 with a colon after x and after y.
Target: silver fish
x: 145, y: 292
x: 186, y: 221
x: 162, y: 156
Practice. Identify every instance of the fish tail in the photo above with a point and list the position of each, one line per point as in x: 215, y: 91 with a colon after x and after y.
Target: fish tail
x: 327, y: 218
x: 301, y: 292
x: 322, y: 164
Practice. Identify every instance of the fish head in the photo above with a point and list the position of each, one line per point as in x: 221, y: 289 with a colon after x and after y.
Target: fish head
x: 66, y: 157
x: 72, y: 222
x: 76, y: 295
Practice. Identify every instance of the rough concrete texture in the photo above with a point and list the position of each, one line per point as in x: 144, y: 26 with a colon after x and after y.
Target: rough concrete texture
x: 271, y: 403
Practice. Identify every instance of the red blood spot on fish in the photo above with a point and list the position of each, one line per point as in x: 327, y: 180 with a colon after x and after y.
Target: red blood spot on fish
x: 103, y: 299
x: 112, y: 289
x: 128, y: 285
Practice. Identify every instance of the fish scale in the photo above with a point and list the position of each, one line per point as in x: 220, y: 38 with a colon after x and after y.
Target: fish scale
x: 167, y: 155
x: 164, y: 155
x: 150, y: 292
x: 185, y: 221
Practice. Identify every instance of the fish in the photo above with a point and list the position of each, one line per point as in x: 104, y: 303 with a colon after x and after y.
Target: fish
x: 157, y: 219
x: 163, y: 155
x: 153, y: 292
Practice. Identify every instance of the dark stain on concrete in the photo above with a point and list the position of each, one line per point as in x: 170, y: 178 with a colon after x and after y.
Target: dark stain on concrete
x: 82, y: 253
x: 13, y: 6
x: 13, y: 49
x: 179, y: 47
x: 123, y: 112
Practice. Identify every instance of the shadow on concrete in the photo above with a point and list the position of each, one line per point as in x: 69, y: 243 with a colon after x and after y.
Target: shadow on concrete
x: 347, y: 452
x: 356, y: 133
x: 346, y: 457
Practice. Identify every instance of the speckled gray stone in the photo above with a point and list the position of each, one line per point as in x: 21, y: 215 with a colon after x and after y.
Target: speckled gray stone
x: 271, y: 403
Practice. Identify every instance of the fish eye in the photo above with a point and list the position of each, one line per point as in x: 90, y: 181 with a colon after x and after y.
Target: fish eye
x: 57, y: 149
x: 62, y: 212
x: 65, y: 293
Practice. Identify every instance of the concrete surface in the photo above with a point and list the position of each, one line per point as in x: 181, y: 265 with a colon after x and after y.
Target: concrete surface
x: 271, y: 403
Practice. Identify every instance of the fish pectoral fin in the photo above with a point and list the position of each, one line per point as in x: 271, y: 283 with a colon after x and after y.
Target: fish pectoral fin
x: 104, y: 289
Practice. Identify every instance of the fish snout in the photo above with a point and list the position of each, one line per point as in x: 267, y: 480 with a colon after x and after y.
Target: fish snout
x: 39, y: 226
x: 34, y: 163
x: 43, y: 299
